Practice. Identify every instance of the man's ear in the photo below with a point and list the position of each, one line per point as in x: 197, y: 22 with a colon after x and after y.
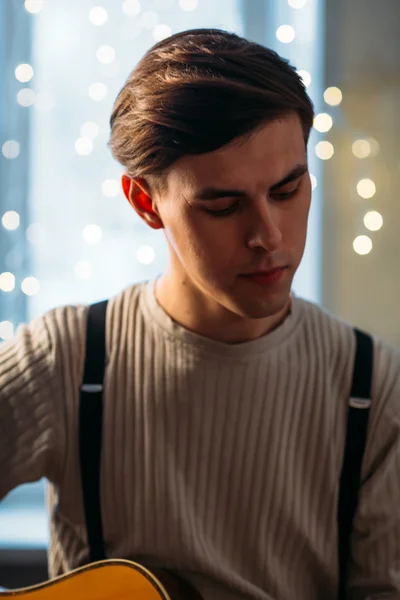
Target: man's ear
x: 138, y: 195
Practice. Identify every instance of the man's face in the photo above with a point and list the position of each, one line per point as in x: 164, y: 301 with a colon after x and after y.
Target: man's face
x: 257, y: 223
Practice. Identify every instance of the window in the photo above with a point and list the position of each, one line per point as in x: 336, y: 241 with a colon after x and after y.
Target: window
x: 77, y: 240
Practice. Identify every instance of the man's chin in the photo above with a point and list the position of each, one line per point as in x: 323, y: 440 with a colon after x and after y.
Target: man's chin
x: 263, y: 308
x: 270, y: 311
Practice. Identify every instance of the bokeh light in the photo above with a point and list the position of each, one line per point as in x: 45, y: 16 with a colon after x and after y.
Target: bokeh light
x: 98, y: 15
x: 366, y: 188
x: 324, y: 150
x: 323, y: 122
x: 24, y: 73
x: 145, y: 254
x: 7, y: 282
x: 30, y: 286
x: 285, y: 34
x: 362, y: 244
x: 373, y: 220
x: 92, y: 234
x: 333, y: 96
x: 11, y: 220
x: 10, y: 149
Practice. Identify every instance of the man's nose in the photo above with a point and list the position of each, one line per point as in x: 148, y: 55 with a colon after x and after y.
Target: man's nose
x: 265, y: 231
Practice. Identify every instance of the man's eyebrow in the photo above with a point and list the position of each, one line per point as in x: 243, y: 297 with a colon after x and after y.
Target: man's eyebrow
x: 212, y: 193
x: 294, y: 174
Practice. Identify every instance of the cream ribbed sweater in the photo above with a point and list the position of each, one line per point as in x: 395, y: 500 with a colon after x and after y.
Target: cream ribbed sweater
x: 221, y: 461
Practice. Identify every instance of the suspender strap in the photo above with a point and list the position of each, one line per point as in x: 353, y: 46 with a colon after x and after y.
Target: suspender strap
x: 90, y: 437
x: 90, y: 427
x: 356, y: 436
x: 90, y: 434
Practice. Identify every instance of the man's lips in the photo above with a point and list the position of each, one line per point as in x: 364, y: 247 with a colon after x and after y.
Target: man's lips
x: 264, y: 272
x: 266, y: 278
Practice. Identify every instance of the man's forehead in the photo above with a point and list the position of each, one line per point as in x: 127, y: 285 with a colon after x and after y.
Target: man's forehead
x: 263, y: 156
x: 243, y: 176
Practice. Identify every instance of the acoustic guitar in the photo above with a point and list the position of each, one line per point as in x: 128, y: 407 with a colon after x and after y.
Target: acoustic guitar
x: 110, y: 580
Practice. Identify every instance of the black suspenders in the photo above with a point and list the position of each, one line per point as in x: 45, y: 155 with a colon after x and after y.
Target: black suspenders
x: 90, y: 437
x: 90, y: 427
x: 356, y: 437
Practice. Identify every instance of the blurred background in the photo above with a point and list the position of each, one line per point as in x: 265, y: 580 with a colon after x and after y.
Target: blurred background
x: 67, y: 235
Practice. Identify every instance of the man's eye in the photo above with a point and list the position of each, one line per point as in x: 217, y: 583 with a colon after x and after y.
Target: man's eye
x: 222, y: 212
x: 286, y: 195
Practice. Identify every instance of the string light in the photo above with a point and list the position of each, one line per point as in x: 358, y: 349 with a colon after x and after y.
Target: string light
x: 362, y: 244
x: 160, y: 32
x: 373, y: 220
x: 34, y: 6
x: 297, y: 3
x: 98, y: 91
x: 34, y: 232
x: 92, y: 234
x: 90, y: 129
x: 145, y: 255
x: 105, y: 54
x: 110, y: 188
x: 366, y: 188
x: 188, y: 5
x: 98, y: 15
x: 30, y: 286
x: 10, y: 149
x: 83, y: 269
x: 7, y: 282
x: 11, y: 220
x: 26, y: 97
x: 333, y: 96
x: 306, y: 77
x: 324, y: 150
x: 24, y: 73
x: 131, y: 8
x: 285, y: 34
x: 361, y: 148
x: 375, y: 147
x: 323, y: 122
x: 83, y: 146
x: 6, y: 330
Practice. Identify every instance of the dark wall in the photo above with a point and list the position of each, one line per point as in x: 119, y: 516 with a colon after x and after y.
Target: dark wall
x: 20, y: 568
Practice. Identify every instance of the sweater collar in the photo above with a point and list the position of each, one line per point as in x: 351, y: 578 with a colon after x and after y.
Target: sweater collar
x: 160, y: 319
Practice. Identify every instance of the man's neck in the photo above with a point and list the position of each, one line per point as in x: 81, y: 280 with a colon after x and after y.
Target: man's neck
x: 192, y: 310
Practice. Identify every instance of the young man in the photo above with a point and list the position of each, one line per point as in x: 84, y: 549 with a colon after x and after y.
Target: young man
x: 225, y: 396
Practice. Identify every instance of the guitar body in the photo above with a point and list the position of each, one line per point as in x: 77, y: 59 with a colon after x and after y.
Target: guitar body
x: 108, y: 580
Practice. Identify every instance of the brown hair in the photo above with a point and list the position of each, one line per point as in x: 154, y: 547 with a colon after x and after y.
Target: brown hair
x: 196, y: 91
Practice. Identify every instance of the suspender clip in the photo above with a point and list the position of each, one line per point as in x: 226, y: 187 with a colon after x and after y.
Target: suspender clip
x: 92, y: 388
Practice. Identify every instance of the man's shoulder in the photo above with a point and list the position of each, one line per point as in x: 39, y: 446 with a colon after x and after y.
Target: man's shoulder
x: 73, y: 316
x: 129, y: 296
x: 338, y: 335
x: 315, y: 316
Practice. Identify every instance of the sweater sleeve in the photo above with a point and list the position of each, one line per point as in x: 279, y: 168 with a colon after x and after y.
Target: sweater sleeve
x: 375, y: 567
x: 34, y: 380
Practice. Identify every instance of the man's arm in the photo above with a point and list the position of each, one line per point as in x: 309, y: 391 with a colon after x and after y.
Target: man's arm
x: 375, y: 567
x: 32, y: 432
